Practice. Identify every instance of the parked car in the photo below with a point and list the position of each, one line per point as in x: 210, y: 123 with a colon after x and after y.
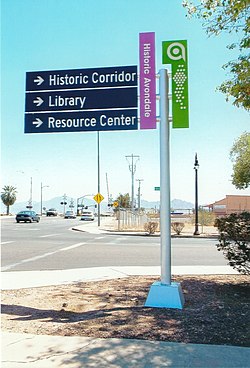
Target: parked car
x: 87, y: 216
x: 27, y: 216
x: 51, y: 212
x: 70, y: 214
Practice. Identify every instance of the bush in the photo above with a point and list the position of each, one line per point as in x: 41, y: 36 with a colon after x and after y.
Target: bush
x: 206, y: 218
x: 150, y: 227
x: 178, y: 227
x: 234, y: 240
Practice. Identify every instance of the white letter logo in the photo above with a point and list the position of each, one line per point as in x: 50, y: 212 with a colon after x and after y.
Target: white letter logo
x: 176, y: 51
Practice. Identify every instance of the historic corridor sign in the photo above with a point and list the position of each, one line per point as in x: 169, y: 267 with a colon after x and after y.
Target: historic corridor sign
x: 81, y: 100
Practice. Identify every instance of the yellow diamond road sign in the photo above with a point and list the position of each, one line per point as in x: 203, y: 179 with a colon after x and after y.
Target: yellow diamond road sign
x: 116, y: 204
x: 98, y: 198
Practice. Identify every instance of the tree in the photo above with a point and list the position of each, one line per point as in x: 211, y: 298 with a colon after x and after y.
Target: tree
x: 240, y: 155
x: 123, y: 200
x: 8, y: 196
x: 229, y: 16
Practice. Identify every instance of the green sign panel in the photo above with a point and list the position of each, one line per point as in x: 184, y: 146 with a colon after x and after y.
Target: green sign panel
x: 157, y: 188
x: 175, y: 53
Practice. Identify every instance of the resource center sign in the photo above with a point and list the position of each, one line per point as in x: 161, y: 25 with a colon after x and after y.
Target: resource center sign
x: 81, y: 100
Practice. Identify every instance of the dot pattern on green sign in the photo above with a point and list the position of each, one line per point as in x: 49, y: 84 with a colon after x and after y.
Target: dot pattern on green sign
x: 180, y: 78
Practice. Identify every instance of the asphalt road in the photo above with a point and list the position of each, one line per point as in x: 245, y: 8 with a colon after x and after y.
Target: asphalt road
x: 52, y: 245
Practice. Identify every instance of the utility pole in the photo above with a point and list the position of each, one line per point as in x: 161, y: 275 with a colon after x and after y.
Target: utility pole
x: 139, y: 194
x: 30, y: 200
x: 132, y: 169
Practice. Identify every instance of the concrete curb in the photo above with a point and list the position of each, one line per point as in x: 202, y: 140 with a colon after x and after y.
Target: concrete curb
x: 91, y: 228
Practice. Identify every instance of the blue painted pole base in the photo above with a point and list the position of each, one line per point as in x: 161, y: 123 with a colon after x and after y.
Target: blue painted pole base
x: 165, y: 296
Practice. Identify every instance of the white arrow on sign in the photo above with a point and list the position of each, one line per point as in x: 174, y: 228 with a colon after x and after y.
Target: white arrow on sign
x: 38, y: 101
x: 38, y: 122
x: 39, y: 80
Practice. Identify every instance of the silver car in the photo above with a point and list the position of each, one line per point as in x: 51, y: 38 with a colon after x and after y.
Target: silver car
x: 87, y: 216
x: 70, y: 214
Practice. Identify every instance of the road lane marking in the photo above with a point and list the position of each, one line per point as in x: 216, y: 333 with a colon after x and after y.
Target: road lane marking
x: 7, y: 242
x: 49, y: 235
x: 24, y: 229
x: 72, y: 246
x: 41, y: 256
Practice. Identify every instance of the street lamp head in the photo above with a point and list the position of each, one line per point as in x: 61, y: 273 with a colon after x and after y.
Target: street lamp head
x: 196, y: 163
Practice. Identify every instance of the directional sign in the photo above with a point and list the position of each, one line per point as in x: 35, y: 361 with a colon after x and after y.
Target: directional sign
x: 98, y: 198
x: 56, y: 122
x: 81, y: 100
x: 120, y: 76
x: 157, y: 188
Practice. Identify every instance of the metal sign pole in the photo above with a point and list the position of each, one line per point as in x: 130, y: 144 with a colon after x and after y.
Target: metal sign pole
x: 164, y: 293
x: 98, y: 178
x: 165, y: 218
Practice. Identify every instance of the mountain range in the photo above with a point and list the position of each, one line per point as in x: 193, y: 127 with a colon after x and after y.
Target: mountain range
x: 176, y: 204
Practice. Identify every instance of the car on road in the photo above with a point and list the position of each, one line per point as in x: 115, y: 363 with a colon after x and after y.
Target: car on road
x: 70, y: 214
x: 87, y: 216
x: 51, y: 212
x: 27, y: 216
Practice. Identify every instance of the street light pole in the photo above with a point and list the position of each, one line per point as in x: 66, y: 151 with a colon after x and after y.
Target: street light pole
x: 196, y: 167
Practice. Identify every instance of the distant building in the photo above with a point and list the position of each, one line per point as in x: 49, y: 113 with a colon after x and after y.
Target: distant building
x: 230, y: 204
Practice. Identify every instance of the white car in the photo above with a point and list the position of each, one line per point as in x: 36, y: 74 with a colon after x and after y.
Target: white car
x: 87, y: 216
x: 70, y: 214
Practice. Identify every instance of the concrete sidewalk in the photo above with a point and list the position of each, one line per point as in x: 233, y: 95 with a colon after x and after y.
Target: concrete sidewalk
x: 33, y: 351
x: 28, y: 279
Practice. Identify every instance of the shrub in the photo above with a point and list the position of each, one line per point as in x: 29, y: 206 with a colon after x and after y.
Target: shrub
x: 177, y: 227
x: 234, y: 240
x: 150, y: 227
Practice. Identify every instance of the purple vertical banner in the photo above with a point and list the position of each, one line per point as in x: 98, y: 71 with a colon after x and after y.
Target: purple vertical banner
x: 147, y: 81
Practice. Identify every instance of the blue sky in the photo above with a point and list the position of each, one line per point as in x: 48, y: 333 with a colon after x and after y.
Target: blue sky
x: 39, y: 35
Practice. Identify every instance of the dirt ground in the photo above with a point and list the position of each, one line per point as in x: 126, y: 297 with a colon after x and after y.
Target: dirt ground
x: 216, y: 310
